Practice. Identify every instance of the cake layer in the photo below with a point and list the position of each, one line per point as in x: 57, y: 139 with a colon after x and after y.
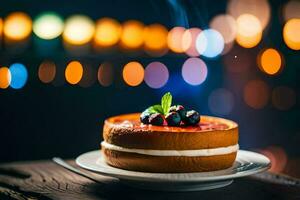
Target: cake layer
x: 127, y: 131
x: 168, y: 164
x: 190, y: 153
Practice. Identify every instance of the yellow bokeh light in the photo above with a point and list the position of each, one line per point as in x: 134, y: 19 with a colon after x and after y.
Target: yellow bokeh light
x: 270, y: 61
x: 155, y: 37
x: 5, y: 77
x: 47, y: 71
x: 74, y: 72
x: 17, y: 26
x: 48, y: 25
x: 175, y: 39
x: 133, y: 73
x: 79, y: 30
x: 132, y: 35
x: 291, y: 33
x: 108, y: 32
x: 249, y: 31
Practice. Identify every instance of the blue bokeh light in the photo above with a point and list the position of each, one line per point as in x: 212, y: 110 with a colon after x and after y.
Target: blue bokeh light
x: 210, y: 43
x: 19, y: 75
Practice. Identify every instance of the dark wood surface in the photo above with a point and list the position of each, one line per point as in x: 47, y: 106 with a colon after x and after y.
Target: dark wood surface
x: 46, y: 180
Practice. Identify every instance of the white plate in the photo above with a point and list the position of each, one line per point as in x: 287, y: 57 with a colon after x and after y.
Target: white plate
x: 247, y: 163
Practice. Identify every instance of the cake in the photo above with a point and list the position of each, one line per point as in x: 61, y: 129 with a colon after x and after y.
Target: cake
x: 206, y: 145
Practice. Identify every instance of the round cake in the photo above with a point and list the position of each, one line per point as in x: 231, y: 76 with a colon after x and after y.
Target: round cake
x: 209, y: 145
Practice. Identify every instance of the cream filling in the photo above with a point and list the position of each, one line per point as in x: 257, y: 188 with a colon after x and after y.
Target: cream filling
x: 191, y: 153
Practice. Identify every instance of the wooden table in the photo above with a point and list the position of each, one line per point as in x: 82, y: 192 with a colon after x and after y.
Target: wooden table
x: 46, y: 180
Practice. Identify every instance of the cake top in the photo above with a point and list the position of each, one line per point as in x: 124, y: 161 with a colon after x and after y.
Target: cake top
x: 132, y: 122
x: 164, y: 114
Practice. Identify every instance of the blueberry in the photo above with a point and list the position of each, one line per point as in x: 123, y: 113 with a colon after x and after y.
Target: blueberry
x: 192, y: 118
x: 156, y: 119
x: 145, y: 117
x: 173, y: 119
x: 180, y: 110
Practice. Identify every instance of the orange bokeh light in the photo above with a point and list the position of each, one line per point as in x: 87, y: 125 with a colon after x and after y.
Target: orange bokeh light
x: 256, y: 94
x: 74, y: 72
x: 5, y: 77
x: 17, y: 26
x: 47, y: 71
x: 132, y: 34
x: 155, y: 37
x: 270, y: 61
x: 175, y: 39
x: 133, y: 73
x: 108, y: 32
x: 249, y: 31
x: 1, y: 27
x: 291, y: 32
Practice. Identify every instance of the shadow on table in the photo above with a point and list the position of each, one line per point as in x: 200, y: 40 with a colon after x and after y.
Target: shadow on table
x: 244, y: 188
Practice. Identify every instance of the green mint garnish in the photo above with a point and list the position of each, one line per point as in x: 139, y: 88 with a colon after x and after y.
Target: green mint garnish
x: 155, y: 109
x: 164, y: 108
x: 166, y: 102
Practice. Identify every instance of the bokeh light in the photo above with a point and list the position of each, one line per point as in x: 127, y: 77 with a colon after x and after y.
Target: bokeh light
x: 256, y: 94
x: 1, y: 27
x: 133, y: 73
x: 249, y: 31
x: 74, y: 72
x: 283, y: 98
x: 19, y: 75
x: 189, y: 41
x: 106, y: 74
x: 17, y: 26
x: 79, y: 30
x: 270, y: 61
x: 132, y: 35
x: 291, y: 10
x: 155, y: 39
x: 108, y: 32
x: 194, y: 71
x: 258, y: 8
x: 175, y: 36
x: 291, y: 32
x: 221, y: 102
x: 226, y: 25
x: 47, y: 71
x: 277, y: 156
x: 48, y: 25
x: 210, y: 43
x: 5, y: 77
x: 156, y: 75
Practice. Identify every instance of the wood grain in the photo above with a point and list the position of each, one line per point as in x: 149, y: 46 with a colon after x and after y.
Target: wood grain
x: 46, y: 180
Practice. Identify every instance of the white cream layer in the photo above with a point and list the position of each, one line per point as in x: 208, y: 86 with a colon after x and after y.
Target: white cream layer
x: 191, y: 153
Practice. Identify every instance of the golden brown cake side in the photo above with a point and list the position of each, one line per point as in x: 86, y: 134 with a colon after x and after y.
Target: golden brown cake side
x: 167, y: 164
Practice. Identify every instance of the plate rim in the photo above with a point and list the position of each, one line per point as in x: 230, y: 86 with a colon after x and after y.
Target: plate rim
x: 162, y: 179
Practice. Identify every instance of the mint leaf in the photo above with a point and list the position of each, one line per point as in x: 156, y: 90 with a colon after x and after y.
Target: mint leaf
x: 166, y: 102
x: 155, y: 109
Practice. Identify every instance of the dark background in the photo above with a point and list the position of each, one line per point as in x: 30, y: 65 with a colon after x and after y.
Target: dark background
x: 41, y: 120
